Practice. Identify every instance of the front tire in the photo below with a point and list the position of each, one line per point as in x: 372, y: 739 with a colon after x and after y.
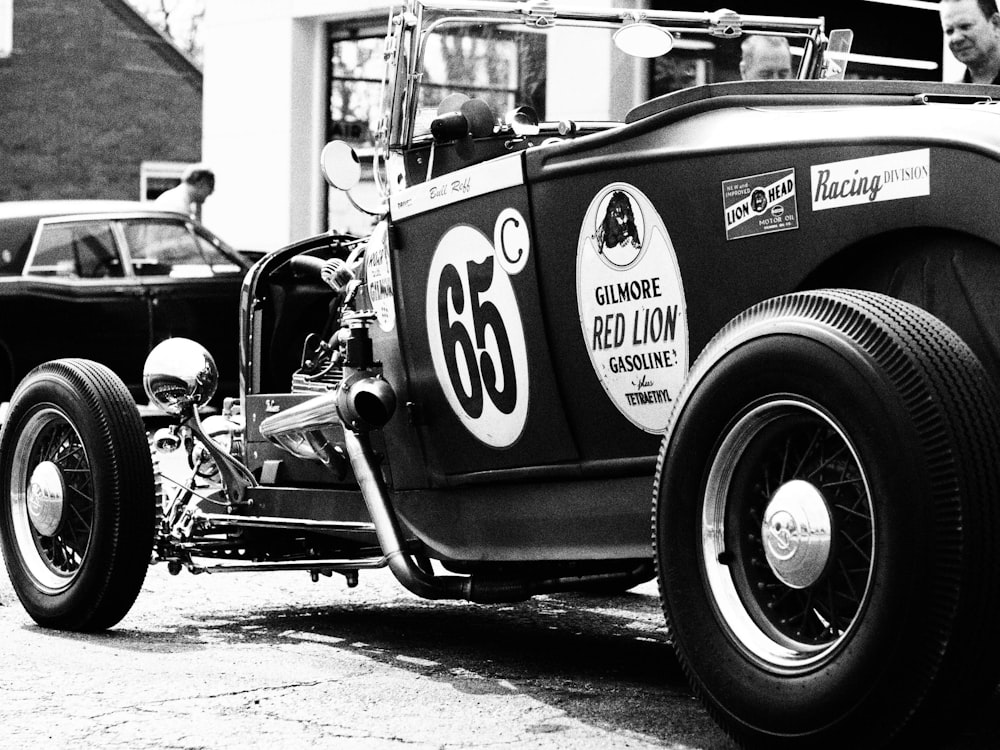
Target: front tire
x: 76, y: 496
x: 825, y: 522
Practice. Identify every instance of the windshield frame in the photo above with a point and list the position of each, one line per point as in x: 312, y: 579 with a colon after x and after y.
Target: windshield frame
x: 411, y: 26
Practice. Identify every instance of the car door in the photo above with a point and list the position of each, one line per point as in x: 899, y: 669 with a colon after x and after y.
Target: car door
x: 476, y: 343
x: 76, y: 298
x: 192, y: 284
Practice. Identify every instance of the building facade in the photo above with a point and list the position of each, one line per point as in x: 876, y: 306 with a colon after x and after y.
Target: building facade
x: 89, y: 92
x: 283, y: 78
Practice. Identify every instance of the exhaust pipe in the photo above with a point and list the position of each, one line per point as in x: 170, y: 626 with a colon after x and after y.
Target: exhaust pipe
x: 390, y: 538
x: 365, y: 402
x: 424, y: 583
x: 362, y: 402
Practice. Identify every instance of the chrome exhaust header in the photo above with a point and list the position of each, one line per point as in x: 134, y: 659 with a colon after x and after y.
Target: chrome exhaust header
x: 294, y: 428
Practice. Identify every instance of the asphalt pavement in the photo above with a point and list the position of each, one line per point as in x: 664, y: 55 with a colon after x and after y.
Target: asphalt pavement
x: 274, y: 660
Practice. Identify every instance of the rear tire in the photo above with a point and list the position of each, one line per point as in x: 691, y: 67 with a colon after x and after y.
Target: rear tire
x: 76, y: 496
x: 825, y: 524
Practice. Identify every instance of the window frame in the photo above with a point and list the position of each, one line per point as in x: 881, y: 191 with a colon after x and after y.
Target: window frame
x: 55, y: 221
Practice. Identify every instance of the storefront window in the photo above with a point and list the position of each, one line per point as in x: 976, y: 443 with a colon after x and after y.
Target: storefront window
x: 356, y: 68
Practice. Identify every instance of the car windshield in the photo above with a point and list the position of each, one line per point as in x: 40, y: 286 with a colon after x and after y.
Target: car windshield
x: 169, y: 248
x: 564, y: 72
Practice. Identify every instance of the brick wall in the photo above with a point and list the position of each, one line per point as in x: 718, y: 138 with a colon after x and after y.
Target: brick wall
x: 89, y: 92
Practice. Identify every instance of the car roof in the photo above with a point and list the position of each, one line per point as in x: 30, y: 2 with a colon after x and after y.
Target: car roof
x: 49, y: 208
x: 19, y: 219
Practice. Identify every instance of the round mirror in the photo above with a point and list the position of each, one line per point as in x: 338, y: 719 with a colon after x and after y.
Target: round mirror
x: 340, y: 165
x: 643, y: 40
x: 179, y: 375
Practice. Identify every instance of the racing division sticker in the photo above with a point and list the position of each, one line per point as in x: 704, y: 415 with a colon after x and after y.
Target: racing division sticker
x: 631, y: 302
x: 871, y: 179
x: 760, y: 204
x: 477, y: 337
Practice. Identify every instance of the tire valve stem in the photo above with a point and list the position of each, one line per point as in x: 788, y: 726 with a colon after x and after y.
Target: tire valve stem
x: 725, y: 558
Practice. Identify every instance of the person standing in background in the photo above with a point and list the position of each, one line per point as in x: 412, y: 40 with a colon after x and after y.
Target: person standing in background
x: 765, y: 58
x: 197, y: 183
x: 972, y: 30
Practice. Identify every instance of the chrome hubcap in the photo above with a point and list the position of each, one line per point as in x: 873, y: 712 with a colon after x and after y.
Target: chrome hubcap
x: 46, y: 498
x: 796, y: 534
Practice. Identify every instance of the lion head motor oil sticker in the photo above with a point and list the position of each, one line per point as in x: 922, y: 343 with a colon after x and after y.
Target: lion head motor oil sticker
x: 631, y: 303
x: 378, y: 277
x: 760, y: 204
x: 475, y: 330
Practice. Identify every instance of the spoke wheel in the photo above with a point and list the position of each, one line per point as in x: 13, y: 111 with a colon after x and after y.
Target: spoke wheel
x: 789, y: 534
x: 52, y: 503
x: 76, y: 496
x: 825, y: 520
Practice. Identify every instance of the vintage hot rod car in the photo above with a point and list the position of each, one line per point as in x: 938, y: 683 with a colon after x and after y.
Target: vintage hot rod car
x: 755, y: 320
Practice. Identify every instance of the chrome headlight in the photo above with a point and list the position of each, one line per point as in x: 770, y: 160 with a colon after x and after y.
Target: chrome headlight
x: 179, y: 376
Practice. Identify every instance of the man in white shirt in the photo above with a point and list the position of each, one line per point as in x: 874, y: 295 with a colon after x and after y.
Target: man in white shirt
x: 197, y: 183
x: 972, y: 30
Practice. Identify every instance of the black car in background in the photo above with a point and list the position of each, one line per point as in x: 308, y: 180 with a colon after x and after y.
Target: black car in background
x: 108, y: 280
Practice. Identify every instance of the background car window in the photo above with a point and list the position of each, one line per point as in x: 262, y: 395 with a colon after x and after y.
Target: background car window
x: 86, y: 251
x: 170, y: 248
x: 220, y: 263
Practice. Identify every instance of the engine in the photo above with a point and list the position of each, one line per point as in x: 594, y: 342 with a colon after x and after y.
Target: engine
x: 212, y: 468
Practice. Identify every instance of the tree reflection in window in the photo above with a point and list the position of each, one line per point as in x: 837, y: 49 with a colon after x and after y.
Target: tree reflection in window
x: 356, y: 68
x: 504, y: 67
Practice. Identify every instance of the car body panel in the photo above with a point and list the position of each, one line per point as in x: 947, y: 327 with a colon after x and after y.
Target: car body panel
x: 681, y: 169
x: 505, y: 327
x: 584, y: 437
x: 677, y: 164
x: 106, y: 320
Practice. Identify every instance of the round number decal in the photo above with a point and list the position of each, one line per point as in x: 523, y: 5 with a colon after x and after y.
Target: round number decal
x: 477, y: 338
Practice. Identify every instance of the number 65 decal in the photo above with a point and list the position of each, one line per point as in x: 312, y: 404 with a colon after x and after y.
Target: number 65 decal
x: 477, y: 337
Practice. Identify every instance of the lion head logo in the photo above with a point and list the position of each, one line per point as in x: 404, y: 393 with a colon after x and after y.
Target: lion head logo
x: 619, y: 233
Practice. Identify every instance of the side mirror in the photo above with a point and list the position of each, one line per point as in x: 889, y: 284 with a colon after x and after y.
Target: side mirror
x: 641, y: 39
x: 340, y: 165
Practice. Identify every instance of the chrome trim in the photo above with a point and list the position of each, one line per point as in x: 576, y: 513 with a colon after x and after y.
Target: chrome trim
x: 797, y: 533
x: 410, y: 28
x: 115, y: 218
x: 212, y: 520
x: 291, y: 428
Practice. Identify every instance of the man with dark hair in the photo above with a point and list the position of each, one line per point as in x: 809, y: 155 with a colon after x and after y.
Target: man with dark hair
x: 972, y: 30
x: 765, y: 58
x: 197, y: 183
